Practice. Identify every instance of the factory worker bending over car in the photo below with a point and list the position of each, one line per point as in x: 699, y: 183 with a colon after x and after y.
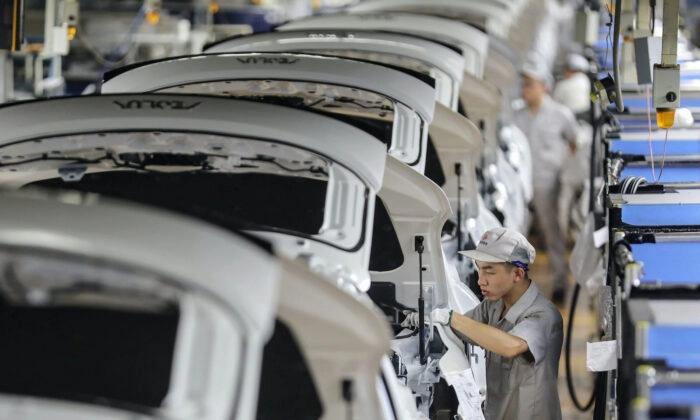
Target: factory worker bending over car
x: 520, y: 329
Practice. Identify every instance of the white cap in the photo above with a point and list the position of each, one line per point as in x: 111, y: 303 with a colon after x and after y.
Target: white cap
x: 537, y: 70
x: 502, y: 245
x: 577, y: 62
x: 683, y: 118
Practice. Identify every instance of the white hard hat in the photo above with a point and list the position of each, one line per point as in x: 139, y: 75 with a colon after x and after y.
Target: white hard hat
x: 537, y: 70
x: 503, y: 245
x: 577, y: 62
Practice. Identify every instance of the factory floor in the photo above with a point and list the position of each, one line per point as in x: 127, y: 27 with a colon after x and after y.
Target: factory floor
x: 584, y: 328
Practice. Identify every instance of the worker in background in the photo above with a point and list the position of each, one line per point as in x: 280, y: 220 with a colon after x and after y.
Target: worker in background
x: 574, y: 92
x: 551, y: 130
x: 520, y: 329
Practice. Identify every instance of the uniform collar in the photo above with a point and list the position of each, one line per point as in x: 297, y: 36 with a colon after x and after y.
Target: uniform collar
x: 545, y: 104
x: 525, y: 301
x: 546, y: 101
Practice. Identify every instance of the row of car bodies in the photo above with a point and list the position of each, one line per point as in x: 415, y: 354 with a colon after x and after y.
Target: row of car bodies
x: 115, y: 133
x: 227, y: 74
x: 331, y: 143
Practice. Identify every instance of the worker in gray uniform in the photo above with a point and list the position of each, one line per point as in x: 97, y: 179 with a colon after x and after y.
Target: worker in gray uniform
x: 520, y: 329
x: 551, y: 130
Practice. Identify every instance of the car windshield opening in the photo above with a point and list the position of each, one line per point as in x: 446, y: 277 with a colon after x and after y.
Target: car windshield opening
x: 92, y: 334
x: 234, y: 200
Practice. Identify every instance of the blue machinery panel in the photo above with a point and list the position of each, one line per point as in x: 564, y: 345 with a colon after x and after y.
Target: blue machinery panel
x: 677, y: 346
x: 641, y: 147
x: 636, y: 104
x: 661, y: 215
x: 669, y: 263
x: 671, y: 173
x: 676, y: 395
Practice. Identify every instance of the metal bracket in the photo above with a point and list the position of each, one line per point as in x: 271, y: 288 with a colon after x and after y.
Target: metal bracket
x: 72, y: 172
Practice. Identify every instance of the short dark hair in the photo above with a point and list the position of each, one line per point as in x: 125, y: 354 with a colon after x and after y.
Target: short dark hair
x: 510, y: 266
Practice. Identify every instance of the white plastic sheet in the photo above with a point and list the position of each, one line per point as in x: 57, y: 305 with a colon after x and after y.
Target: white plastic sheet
x: 467, y: 393
x: 586, y: 262
x: 601, y: 356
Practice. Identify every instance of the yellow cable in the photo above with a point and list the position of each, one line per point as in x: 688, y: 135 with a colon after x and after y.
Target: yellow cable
x: 651, y: 150
x: 14, y: 28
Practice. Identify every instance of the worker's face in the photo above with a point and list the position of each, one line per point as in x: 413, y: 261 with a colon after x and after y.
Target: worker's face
x: 496, y: 279
x: 532, y: 90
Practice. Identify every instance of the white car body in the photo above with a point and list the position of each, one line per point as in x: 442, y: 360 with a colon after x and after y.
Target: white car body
x: 135, y: 259
x: 510, y: 179
x: 483, y: 104
x: 502, y: 69
x: 455, y: 138
x: 341, y: 338
x: 225, y: 67
x: 493, y: 16
x: 501, y: 66
x: 443, y: 64
x: 284, y: 74
x: 486, y: 56
x: 458, y: 141
x: 472, y: 43
x: 419, y: 208
x: 519, y: 156
x: 323, y: 333
x: 448, y: 129
x: 506, y: 20
x: 240, y: 131
x: 481, y: 100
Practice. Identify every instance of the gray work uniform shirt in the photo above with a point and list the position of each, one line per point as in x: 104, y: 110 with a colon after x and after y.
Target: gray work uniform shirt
x: 549, y: 131
x: 524, y: 387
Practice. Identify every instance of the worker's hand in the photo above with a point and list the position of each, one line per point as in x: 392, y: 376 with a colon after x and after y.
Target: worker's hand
x: 441, y: 316
x: 411, y: 320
